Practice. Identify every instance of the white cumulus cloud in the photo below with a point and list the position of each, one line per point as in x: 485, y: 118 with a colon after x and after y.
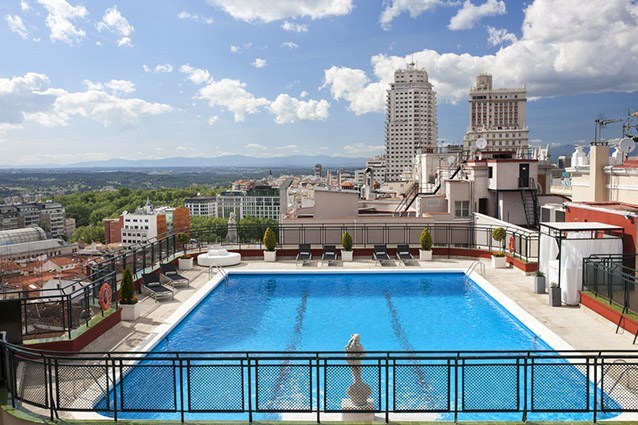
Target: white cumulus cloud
x: 212, y: 120
x: 498, y: 36
x: 259, y: 63
x: 234, y: 49
x: 115, y: 22
x: 164, y: 68
x: 566, y: 48
x: 24, y: 5
x: 60, y: 17
x: 288, y: 109
x: 289, y: 45
x: 196, y: 75
x: 17, y: 25
x: 273, y: 10
x: 195, y: 17
x: 469, y: 15
x: 255, y: 146
x: 232, y: 96
x: 32, y: 99
x: 293, y: 26
x: 395, y: 8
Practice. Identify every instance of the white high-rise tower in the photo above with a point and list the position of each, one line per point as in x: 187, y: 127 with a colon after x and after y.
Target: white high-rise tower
x: 498, y: 116
x: 410, y: 127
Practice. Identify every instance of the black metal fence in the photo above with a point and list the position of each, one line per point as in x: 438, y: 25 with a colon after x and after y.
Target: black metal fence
x: 185, y: 385
x: 444, y: 235
x: 607, y: 276
x: 58, y: 311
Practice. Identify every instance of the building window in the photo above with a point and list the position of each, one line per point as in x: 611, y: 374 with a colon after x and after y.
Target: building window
x: 461, y: 209
x: 490, y: 172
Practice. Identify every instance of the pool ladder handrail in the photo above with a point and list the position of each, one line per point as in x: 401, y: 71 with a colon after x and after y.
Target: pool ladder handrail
x: 220, y: 270
x: 473, y: 266
x: 622, y: 374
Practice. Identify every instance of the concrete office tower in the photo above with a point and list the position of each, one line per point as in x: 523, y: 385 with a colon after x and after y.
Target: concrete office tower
x: 498, y: 116
x: 410, y: 127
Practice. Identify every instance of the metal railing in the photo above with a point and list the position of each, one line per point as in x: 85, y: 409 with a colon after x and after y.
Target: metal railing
x: 58, y: 311
x: 183, y: 385
x: 609, y: 277
x: 444, y: 235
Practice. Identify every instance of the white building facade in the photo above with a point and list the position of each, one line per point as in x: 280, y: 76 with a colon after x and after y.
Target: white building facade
x: 410, y: 127
x: 498, y: 116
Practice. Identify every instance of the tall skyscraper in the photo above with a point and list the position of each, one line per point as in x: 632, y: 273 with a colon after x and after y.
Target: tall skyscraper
x: 410, y: 127
x: 498, y: 116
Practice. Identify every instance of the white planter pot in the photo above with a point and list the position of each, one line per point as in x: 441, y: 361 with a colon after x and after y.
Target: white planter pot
x: 185, y: 264
x: 499, y: 262
x: 270, y: 256
x: 425, y: 255
x: 346, y: 255
x: 130, y: 312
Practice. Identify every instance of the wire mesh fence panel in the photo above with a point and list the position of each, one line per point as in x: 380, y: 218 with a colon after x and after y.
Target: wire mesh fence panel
x: 421, y: 387
x: 491, y: 387
x: 31, y: 384
x: 215, y: 387
x: 148, y: 387
x: 77, y: 385
x: 42, y: 316
x: 341, y: 391
x: 619, y: 384
x: 286, y: 387
x: 558, y: 385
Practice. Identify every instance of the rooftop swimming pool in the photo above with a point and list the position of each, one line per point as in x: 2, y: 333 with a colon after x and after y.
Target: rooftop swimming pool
x: 301, y: 313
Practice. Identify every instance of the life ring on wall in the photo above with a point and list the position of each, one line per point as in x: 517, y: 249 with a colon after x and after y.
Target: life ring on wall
x: 511, y: 244
x: 106, y: 296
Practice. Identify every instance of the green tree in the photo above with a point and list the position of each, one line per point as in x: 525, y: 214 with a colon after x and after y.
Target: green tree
x: 88, y: 234
x: 426, y: 240
x: 127, y: 290
x: 270, y: 240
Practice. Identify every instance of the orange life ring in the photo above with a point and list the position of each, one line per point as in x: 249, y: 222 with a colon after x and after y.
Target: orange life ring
x: 511, y: 244
x: 106, y: 296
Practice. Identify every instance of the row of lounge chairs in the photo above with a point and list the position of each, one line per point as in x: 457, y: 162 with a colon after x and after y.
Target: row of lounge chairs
x: 163, y: 285
x: 379, y: 254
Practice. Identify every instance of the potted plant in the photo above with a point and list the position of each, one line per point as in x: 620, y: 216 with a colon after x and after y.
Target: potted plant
x: 498, y: 258
x: 185, y: 262
x: 270, y: 242
x: 128, y: 300
x: 539, y: 282
x: 346, y: 243
x: 554, y: 295
x: 183, y: 239
x: 425, y: 253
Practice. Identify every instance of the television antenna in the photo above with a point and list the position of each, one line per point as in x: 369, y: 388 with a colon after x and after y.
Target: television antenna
x: 627, y: 145
x: 600, y: 123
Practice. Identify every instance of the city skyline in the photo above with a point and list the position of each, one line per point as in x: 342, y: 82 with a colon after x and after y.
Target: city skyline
x: 150, y: 80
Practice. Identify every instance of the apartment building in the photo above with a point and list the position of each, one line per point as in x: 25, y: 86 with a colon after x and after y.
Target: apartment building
x: 498, y: 116
x: 49, y: 215
x: 410, y: 127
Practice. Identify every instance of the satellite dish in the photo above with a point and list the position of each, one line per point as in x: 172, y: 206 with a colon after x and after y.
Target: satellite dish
x: 481, y: 143
x: 451, y: 160
x: 626, y: 145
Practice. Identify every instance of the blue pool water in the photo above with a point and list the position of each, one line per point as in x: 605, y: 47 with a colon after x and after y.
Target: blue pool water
x: 319, y: 312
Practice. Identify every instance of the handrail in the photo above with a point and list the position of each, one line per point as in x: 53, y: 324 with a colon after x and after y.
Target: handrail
x: 220, y: 270
x: 473, y: 266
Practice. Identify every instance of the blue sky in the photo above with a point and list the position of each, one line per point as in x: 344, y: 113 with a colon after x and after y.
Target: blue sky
x: 137, y: 79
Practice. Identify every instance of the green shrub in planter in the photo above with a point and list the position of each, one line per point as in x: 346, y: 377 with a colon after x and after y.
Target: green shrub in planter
x: 270, y: 240
x: 426, y: 240
x: 499, y: 236
x: 127, y: 290
x: 346, y: 241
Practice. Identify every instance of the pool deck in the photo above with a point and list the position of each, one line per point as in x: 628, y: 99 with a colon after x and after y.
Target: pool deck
x: 579, y: 327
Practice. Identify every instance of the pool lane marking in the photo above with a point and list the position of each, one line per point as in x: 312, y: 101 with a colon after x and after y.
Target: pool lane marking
x: 399, y: 332
x: 282, y: 377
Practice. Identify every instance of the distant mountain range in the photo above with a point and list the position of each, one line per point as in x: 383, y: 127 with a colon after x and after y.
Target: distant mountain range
x: 295, y: 161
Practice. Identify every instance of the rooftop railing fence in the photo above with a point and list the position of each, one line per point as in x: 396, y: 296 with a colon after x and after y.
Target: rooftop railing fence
x: 609, y: 277
x: 58, y: 311
x: 249, y: 383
